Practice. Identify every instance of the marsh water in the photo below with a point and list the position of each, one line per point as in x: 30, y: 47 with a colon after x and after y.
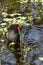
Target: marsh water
x: 34, y: 36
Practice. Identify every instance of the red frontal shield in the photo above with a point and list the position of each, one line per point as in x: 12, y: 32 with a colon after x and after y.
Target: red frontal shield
x: 18, y: 28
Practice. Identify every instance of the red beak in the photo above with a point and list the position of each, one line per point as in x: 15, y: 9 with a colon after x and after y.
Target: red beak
x: 18, y: 28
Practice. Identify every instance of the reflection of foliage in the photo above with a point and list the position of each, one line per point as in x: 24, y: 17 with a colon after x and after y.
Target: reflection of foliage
x: 21, y: 22
x: 28, y: 7
x: 16, y: 5
x: 30, y: 18
x: 39, y: 6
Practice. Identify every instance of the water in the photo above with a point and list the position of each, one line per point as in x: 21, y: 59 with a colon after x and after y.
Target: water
x: 35, y: 36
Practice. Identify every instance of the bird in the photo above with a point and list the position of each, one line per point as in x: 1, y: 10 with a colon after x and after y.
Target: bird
x: 13, y: 35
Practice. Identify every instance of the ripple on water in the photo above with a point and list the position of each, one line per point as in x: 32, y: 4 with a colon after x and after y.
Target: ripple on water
x: 34, y: 34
